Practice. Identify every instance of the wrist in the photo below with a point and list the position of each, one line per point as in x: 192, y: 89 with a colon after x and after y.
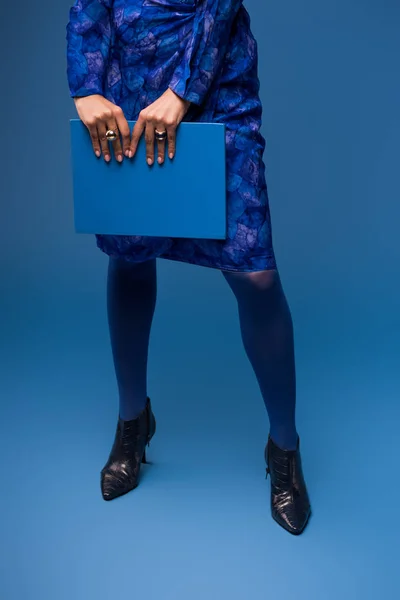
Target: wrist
x: 185, y: 102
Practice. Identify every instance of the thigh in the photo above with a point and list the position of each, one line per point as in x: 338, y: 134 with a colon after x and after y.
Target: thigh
x: 144, y: 271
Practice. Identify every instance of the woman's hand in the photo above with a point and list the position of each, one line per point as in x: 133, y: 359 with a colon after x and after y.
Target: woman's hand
x: 100, y: 115
x: 164, y: 114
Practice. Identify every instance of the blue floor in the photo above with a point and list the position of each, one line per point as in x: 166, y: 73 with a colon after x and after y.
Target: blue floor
x: 198, y: 526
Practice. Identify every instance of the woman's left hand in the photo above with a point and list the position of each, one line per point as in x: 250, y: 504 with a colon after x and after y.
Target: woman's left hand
x: 164, y: 114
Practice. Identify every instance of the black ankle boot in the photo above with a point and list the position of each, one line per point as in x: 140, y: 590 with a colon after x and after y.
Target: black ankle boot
x: 121, y: 472
x: 290, y: 504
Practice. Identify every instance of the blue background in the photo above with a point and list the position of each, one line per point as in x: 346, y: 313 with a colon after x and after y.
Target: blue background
x: 199, y: 524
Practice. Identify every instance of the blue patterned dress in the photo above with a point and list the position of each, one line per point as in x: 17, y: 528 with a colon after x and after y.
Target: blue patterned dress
x: 131, y: 51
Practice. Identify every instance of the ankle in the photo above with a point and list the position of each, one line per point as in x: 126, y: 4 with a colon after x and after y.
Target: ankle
x: 285, y: 440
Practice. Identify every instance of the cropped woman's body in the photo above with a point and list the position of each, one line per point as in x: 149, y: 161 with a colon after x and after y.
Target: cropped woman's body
x: 160, y: 62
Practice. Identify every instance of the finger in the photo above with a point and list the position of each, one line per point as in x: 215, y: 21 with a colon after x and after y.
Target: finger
x: 136, y: 135
x: 160, y: 144
x: 171, y: 135
x: 105, y: 148
x: 149, y: 138
x: 123, y: 127
x: 94, y: 136
x: 116, y: 144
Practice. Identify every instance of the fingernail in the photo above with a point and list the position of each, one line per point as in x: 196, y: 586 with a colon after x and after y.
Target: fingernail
x: 107, y: 157
x: 127, y: 153
x: 97, y: 153
x: 171, y: 155
x: 159, y: 160
x: 119, y: 158
x: 149, y: 161
x: 130, y: 153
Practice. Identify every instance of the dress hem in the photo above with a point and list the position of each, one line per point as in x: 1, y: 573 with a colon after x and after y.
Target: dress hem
x: 270, y: 265
x: 270, y: 262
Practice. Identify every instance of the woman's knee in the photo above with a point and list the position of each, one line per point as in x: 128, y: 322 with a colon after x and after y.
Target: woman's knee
x: 254, y: 282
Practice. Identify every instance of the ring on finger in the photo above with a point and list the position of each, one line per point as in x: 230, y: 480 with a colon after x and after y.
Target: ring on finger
x: 111, y: 135
x: 160, y: 135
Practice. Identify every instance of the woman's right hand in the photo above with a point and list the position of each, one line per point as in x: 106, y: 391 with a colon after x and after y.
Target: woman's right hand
x: 100, y: 115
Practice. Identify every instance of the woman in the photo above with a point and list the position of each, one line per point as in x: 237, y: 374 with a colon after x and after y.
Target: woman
x: 160, y: 62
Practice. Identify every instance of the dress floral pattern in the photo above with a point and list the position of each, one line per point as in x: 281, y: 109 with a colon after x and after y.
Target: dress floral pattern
x: 131, y: 51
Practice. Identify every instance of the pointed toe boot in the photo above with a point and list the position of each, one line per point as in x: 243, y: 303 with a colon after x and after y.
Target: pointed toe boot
x: 290, y: 503
x: 121, y: 473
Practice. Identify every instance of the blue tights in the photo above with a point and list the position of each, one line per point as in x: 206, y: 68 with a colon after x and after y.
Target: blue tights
x: 266, y: 328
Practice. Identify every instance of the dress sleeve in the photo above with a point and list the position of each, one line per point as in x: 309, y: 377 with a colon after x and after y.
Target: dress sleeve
x: 88, y: 44
x: 206, y: 48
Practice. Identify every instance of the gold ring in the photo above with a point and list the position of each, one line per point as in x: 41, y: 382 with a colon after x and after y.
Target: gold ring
x: 111, y: 135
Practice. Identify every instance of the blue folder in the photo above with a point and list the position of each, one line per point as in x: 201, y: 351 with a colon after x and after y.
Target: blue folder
x: 184, y: 198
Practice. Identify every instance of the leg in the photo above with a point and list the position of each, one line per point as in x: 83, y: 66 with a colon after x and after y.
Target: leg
x: 267, y: 333
x: 131, y: 300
